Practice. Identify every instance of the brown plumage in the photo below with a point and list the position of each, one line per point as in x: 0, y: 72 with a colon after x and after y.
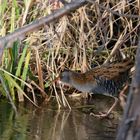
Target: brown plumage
x: 107, y: 80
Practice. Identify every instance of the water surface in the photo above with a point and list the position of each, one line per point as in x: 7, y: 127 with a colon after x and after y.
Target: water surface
x: 48, y: 123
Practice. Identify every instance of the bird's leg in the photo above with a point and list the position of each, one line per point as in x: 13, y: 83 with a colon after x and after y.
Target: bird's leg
x: 102, y: 115
x: 122, y: 96
x: 89, y: 96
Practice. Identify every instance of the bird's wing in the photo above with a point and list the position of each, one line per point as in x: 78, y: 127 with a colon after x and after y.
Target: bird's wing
x: 112, y: 71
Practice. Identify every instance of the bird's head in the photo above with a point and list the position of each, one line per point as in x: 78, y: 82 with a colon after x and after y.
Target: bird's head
x: 65, y: 76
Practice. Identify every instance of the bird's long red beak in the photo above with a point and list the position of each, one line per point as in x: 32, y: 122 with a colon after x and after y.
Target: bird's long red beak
x: 56, y: 80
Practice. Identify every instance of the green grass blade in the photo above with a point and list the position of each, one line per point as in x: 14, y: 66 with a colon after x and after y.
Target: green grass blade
x: 21, y: 60
x: 17, y: 9
x: 12, y: 84
x: 11, y: 89
x: 2, y: 79
x: 8, y: 77
x: 14, y: 15
x: 3, y: 6
x: 15, y: 56
x: 25, y: 70
x: 12, y: 21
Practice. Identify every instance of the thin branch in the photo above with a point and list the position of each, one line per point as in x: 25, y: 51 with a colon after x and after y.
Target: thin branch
x: 20, y: 33
x: 130, y: 125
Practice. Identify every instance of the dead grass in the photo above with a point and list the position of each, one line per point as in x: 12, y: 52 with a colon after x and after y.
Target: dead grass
x: 80, y: 40
x: 87, y: 37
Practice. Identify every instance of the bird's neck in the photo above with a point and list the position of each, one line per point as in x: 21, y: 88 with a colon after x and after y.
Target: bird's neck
x: 81, y: 82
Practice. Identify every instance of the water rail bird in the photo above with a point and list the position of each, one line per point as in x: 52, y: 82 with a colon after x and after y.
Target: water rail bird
x: 107, y: 80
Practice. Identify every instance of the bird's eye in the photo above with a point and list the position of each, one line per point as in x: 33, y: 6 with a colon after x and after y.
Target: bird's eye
x: 62, y: 75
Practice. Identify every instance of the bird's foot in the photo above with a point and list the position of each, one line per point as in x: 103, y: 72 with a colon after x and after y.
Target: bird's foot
x: 102, y: 115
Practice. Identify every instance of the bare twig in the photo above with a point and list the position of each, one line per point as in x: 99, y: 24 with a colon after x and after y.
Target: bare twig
x: 38, y: 23
x: 130, y: 125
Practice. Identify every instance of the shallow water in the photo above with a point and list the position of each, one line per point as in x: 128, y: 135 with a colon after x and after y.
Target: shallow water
x: 47, y: 123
